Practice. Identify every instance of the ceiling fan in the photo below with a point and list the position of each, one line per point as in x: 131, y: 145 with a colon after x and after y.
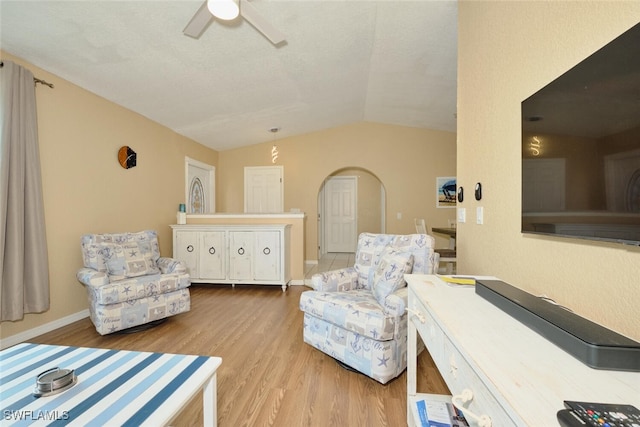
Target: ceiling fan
x: 228, y: 10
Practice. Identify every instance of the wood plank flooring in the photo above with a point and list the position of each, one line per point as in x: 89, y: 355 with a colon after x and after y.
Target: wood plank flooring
x: 268, y: 376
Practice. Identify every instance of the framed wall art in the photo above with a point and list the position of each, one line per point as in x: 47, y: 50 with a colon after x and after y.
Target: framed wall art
x: 446, y: 192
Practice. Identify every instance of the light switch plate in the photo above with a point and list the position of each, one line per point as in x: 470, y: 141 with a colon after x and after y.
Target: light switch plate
x: 479, y: 215
x: 462, y: 214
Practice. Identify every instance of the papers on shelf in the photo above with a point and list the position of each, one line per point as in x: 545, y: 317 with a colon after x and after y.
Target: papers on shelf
x: 458, y: 280
x: 438, y: 413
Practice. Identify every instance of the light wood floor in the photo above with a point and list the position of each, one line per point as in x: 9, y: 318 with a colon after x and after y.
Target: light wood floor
x: 268, y: 376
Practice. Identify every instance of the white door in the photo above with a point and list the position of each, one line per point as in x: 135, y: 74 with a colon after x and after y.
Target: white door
x: 267, y: 255
x: 341, y: 213
x: 546, y: 182
x: 263, y: 189
x: 212, y: 255
x: 200, y: 186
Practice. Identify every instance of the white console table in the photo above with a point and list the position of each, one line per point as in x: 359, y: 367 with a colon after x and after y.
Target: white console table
x: 516, y: 376
x: 235, y: 254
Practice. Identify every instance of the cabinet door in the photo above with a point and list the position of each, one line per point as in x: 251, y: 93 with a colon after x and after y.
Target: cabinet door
x: 267, y: 255
x: 212, y: 255
x: 186, y: 250
x: 240, y: 254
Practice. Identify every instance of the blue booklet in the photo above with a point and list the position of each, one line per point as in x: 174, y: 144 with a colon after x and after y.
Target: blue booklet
x: 440, y: 414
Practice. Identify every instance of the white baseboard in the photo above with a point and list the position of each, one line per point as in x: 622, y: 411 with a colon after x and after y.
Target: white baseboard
x: 310, y: 261
x: 42, y: 329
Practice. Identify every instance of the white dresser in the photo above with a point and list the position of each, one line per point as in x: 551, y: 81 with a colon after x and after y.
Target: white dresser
x: 235, y: 254
x: 516, y: 377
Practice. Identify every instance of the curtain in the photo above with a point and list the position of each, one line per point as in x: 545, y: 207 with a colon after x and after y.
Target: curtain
x: 24, y: 267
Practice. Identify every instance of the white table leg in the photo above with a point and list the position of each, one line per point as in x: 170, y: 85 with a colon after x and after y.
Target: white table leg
x: 210, y: 402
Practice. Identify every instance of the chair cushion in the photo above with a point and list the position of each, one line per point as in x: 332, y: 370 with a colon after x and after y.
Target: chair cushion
x: 371, y: 246
x: 137, y: 287
x: 92, y: 245
x: 131, y: 259
x: 92, y: 257
x: 388, y: 276
x: 355, y: 310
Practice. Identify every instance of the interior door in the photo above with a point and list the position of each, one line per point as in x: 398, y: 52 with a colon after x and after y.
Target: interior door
x: 341, y: 213
x: 200, y: 185
x: 263, y: 189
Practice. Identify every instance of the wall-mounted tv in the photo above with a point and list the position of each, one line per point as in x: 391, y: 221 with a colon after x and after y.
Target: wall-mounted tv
x: 581, y: 148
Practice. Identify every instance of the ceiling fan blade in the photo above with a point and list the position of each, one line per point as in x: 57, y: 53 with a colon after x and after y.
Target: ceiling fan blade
x: 199, y: 22
x: 254, y: 18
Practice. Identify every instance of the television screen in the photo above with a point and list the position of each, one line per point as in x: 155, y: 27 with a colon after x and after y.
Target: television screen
x: 581, y: 148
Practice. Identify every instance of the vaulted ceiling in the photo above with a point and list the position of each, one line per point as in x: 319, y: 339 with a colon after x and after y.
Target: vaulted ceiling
x: 342, y: 62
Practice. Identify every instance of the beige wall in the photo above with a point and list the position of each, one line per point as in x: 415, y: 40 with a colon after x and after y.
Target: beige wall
x: 507, y: 51
x: 86, y: 190
x: 406, y: 160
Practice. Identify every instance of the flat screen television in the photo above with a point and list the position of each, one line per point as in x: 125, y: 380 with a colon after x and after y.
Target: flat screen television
x: 581, y: 148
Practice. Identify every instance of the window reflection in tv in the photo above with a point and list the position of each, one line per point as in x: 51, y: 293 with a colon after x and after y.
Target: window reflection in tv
x: 581, y: 148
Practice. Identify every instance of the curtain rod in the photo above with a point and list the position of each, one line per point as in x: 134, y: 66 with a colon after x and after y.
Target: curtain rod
x: 35, y: 79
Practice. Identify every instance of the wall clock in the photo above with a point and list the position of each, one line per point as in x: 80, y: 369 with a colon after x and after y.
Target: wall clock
x: 126, y: 157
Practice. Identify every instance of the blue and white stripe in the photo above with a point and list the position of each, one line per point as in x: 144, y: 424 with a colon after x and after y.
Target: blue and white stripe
x: 115, y: 387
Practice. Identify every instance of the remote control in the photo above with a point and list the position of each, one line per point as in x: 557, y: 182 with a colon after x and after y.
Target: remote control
x: 580, y: 414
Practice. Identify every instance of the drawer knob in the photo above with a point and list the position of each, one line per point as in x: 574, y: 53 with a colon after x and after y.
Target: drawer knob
x: 212, y: 250
x: 190, y: 248
x: 461, y: 399
x: 418, y: 314
x: 453, y: 369
x: 241, y: 251
x: 266, y: 251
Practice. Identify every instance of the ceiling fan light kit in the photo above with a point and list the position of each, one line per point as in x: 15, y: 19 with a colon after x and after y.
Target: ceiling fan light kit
x: 220, y: 9
x: 223, y: 9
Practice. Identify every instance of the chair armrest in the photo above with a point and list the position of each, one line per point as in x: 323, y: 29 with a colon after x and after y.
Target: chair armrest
x: 91, y: 277
x: 171, y: 265
x: 396, y: 303
x: 343, y: 279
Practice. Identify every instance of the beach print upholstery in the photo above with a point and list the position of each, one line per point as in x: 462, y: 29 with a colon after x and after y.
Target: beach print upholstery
x: 357, y: 315
x: 128, y: 283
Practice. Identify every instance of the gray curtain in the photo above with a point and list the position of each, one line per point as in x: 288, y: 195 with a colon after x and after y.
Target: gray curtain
x: 24, y: 267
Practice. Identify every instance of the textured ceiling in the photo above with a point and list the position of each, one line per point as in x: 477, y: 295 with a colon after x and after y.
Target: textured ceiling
x: 343, y: 62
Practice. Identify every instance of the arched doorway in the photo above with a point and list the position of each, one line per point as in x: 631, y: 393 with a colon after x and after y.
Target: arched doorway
x: 365, y: 208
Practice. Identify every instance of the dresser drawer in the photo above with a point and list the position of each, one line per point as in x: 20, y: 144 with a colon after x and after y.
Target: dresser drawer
x: 459, y: 375
x: 431, y: 334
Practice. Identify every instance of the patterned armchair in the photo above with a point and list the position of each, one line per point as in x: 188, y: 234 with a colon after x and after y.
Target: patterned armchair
x: 357, y: 314
x: 128, y: 283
